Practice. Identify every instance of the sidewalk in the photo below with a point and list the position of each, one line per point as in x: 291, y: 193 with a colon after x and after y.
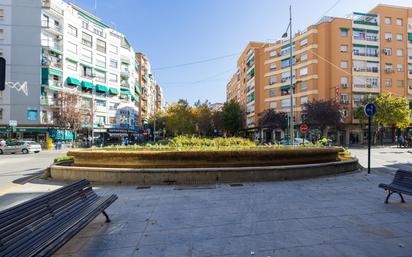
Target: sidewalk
x: 331, y: 216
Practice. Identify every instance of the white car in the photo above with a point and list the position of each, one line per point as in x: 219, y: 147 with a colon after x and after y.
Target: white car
x: 24, y: 147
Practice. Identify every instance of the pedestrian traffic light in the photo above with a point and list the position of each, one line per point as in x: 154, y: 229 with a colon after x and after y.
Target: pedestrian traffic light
x: 2, y: 73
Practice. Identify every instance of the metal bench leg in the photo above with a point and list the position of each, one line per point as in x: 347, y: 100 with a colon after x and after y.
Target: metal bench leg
x: 107, y: 217
x: 387, y: 197
x: 402, y: 200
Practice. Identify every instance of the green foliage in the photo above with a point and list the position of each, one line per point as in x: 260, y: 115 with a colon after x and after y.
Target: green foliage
x: 323, y: 114
x: 390, y: 110
x: 63, y: 158
x: 272, y: 119
x: 215, y: 142
x: 231, y: 117
x: 180, y: 119
x: 203, y: 118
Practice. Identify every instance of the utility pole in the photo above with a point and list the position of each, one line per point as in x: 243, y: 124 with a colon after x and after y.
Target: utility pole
x: 292, y: 125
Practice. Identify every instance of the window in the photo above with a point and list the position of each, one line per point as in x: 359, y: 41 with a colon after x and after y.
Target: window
x: 285, y: 103
x: 388, y: 82
x: 388, y: 36
x: 100, y: 60
x: 86, y: 72
x: 113, y: 49
x: 86, y: 39
x: 85, y: 24
x: 343, y: 48
x: 86, y: 55
x: 101, y: 46
x: 272, y: 53
x: 399, y: 67
x: 303, y: 71
x: 303, y: 57
x: 272, y: 105
x: 388, y: 67
x: 400, y: 83
x: 303, y: 99
x: 72, y: 48
x: 344, y: 98
x: 304, y: 42
x: 98, y: 31
x: 272, y: 66
x: 344, y: 82
x: 387, y: 51
x: 387, y: 20
x: 272, y: 93
x: 399, y: 52
x: 344, y: 64
x: 112, y: 77
x: 71, y: 65
x: 399, y: 37
x: 303, y: 86
x: 72, y: 30
x: 113, y: 63
x: 399, y: 22
x: 272, y: 80
x: 344, y: 32
x: 100, y: 76
x: 100, y: 120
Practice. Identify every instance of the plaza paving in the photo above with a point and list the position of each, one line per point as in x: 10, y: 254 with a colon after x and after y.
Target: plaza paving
x: 330, y: 216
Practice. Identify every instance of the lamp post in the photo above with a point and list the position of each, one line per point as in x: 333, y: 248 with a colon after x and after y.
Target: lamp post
x: 291, y: 116
x: 93, y: 91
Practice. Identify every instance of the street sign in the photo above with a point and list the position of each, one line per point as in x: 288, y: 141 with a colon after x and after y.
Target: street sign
x: 370, y: 109
x: 13, y: 123
x: 303, y: 128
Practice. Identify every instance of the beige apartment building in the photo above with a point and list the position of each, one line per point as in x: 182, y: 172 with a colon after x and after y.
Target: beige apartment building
x: 343, y: 59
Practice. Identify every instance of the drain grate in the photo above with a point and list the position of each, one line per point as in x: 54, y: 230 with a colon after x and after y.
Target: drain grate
x: 236, y: 185
x: 195, y: 187
x: 143, y: 187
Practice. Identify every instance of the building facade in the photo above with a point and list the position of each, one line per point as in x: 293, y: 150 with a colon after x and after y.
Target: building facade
x: 343, y: 59
x: 55, y: 47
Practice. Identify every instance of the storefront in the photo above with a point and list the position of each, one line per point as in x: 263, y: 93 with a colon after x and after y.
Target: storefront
x: 33, y: 134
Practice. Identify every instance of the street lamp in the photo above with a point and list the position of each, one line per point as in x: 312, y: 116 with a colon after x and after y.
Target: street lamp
x: 92, y: 120
x: 285, y: 35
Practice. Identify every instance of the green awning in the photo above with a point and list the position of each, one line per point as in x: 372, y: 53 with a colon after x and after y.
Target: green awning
x: 72, y: 59
x: 137, y: 89
x: 134, y: 98
x: 55, y: 72
x: 358, y: 45
x: 410, y: 36
x: 285, y: 46
x: 55, y: 50
x: 369, y: 46
x: 101, y: 88
x: 345, y: 29
x: 100, y: 69
x: 87, y: 65
x: 284, y: 87
x: 366, y: 14
x: 358, y: 29
x: 372, y: 61
x: 86, y: 84
x: 125, y: 91
x: 113, y: 91
x: 372, y: 31
x: 73, y: 81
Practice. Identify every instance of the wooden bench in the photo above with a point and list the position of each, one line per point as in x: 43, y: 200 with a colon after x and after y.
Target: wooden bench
x: 39, y: 227
x: 401, y: 184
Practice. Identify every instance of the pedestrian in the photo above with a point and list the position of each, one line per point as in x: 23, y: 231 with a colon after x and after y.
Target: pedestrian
x: 401, y: 141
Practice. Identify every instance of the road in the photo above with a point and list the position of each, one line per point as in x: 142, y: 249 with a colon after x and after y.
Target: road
x: 15, y: 169
x: 389, y: 158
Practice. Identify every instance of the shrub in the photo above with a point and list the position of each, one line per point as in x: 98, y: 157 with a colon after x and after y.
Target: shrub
x: 63, y: 158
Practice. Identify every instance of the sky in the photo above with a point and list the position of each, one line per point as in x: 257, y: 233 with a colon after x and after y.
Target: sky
x: 193, y: 45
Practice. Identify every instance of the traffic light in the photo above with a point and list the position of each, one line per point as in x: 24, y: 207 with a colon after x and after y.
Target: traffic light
x: 2, y: 73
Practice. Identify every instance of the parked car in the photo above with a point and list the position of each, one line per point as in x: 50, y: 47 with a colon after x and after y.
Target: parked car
x: 24, y: 147
x: 297, y: 141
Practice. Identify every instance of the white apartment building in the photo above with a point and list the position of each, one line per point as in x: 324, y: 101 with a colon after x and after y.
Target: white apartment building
x: 55, y: 46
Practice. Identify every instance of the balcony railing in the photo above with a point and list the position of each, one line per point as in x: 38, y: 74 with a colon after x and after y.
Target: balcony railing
x: 52, y: 44
x: 48, y: 25
x: 50, y: 5
x: 364, y: 69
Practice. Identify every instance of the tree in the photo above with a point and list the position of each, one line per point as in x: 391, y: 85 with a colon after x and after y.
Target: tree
x: 203, y: 117
x: 323, y: 114
x: 180, y: 119
x: 68, y: 113
x: 273, y: 120
x: 160, y: 118
x: 231, y: 117
x: 217, y: 122
x: 390, y: 111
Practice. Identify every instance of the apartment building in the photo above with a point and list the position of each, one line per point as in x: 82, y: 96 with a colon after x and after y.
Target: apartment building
x: 55, y: 46
x: 160, y: 104
x: 343, y: 59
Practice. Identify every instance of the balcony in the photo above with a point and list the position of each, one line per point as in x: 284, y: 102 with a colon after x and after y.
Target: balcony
x: 51, y: 61
x: 50, y: 27
x: 53, y: 45
x: 48, y: 4
x: 366, y: 69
